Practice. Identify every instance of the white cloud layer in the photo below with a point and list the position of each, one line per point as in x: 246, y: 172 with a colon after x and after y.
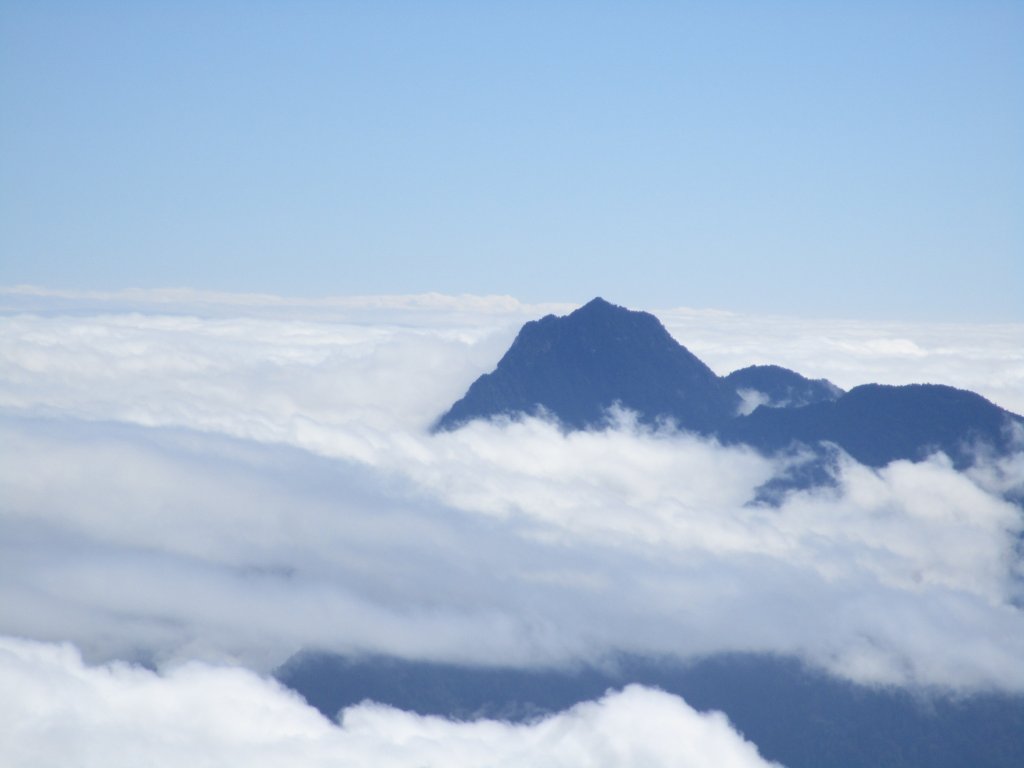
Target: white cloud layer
x: 238, y: 484
x: 57, y: 711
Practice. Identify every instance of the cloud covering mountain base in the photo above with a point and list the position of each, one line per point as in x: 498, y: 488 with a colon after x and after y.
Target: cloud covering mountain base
x: 120, y: 715
x: 233, y: 485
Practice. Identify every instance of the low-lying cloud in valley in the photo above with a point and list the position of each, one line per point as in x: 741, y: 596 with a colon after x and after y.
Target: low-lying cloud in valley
x: 232, y: 481
x: 197, y: 715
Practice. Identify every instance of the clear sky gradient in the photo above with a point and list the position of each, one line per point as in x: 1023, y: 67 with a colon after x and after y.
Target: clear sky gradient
x: 863, y: 159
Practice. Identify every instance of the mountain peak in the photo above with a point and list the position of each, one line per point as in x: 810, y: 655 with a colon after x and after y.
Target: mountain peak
x: 577, y: 366
x: 597, y: 303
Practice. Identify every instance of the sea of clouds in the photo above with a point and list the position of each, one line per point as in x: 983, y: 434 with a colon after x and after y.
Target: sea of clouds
x: 206, y: 481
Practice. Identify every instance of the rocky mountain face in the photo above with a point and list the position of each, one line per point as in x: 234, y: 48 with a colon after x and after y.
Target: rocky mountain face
x: 575, y: 368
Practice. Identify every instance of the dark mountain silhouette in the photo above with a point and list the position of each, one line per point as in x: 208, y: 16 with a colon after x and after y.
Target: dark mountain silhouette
x: 780, y: 387
x: 794, y: 715
x: 877, y: 424
x: 574, y: 368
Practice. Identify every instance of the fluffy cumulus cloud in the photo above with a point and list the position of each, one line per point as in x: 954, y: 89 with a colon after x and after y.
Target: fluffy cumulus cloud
x: 187, y: 476
x: 198, y: 715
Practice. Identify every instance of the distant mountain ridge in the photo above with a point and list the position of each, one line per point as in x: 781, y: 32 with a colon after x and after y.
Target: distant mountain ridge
x: 802, y: 718
x: 574, y: 368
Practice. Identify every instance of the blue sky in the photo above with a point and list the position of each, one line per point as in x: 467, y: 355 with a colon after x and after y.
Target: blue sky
x: 857, y: 159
